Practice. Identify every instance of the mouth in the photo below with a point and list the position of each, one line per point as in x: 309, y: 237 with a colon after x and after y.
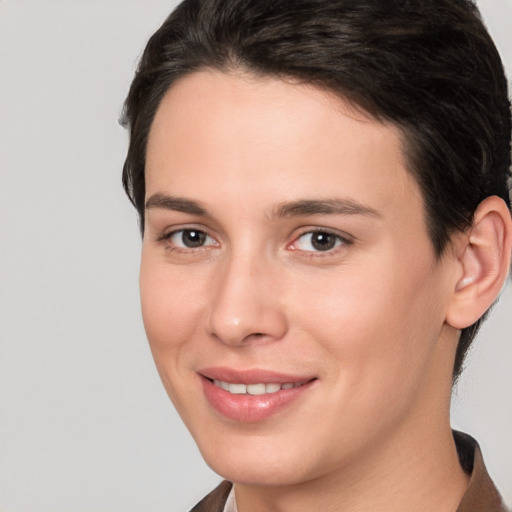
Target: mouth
x: 254, y: 395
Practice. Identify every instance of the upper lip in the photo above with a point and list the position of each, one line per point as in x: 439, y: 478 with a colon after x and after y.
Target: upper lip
x: 252, y: 376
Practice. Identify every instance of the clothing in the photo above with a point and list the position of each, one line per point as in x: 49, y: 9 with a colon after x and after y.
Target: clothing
x: 215, y: 501
x: 481, y: 495
x: 231, y: 505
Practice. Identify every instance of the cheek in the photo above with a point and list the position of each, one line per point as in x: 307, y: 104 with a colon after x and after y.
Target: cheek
x: 375, y: 348
x: 171, y: 312
x: 171, y: 308
x: 373, y: 326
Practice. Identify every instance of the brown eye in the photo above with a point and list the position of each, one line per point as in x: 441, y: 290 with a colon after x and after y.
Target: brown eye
x: 318, y: 241
x: 190, y: 239
x: 323, y: 241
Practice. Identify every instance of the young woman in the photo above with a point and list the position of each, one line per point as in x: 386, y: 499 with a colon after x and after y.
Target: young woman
x: 322, y: 190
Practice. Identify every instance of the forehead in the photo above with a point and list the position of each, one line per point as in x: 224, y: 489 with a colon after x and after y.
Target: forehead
x: 271, y: 137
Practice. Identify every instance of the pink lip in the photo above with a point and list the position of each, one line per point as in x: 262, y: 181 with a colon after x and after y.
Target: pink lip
x: 251, y: 408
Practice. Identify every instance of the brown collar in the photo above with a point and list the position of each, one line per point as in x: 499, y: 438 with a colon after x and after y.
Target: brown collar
x: 215, y: 501
x: 480, y: 496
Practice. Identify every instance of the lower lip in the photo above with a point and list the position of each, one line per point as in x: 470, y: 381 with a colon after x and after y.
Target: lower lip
x: 251, y: 408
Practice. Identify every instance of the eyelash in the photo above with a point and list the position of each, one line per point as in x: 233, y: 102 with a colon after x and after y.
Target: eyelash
x: 339, y: 240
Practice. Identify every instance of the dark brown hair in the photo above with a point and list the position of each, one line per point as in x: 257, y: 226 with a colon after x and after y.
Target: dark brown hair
x: 427, y: 66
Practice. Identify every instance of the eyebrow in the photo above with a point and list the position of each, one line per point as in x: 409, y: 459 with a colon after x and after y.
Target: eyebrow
x: 177, y: 204
x: 325, y: 207
x: 300, y: 208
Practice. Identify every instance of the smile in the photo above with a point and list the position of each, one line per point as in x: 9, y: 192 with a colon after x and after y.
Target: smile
x: 252, y: 396
x: 255, y: 389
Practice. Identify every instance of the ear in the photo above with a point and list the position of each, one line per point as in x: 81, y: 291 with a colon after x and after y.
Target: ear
x: 483, y: 257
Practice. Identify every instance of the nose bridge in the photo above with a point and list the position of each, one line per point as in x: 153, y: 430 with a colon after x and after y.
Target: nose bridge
x: 244, y: 303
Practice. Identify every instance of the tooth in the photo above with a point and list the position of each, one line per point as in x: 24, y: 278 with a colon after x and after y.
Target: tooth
x: 256, y: 389
x: 272, y: 388
x: 221, y: 384
x: 237, y: 389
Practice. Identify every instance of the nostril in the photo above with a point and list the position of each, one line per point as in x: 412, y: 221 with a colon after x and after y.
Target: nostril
x: 256, y: 336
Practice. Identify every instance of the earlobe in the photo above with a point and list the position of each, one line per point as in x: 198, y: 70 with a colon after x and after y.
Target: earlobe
x: 484, y: 257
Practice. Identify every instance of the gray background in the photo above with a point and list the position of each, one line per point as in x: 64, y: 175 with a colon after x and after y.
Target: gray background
x: 85, y: 424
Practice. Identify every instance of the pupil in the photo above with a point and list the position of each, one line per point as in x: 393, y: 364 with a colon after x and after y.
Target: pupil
x: 193, y: 238
x: 323, y: 241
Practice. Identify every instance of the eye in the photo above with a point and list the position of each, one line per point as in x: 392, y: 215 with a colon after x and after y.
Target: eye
x: 318, y: 241
x: 190, y: 239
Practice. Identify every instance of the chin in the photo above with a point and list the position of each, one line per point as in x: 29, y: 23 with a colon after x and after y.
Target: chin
x: 259, y: 466
x: 260, y: 474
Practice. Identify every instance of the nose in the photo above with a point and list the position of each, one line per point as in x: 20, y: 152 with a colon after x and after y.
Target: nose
x: 245, y: 303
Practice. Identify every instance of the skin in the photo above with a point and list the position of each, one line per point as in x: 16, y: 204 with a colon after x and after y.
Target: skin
x: 366, y: 318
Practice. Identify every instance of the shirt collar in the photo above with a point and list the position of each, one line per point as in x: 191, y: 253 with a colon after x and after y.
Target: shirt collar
x: 481, y: 494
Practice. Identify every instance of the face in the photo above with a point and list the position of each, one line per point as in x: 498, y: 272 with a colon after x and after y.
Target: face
x: 290, y: 293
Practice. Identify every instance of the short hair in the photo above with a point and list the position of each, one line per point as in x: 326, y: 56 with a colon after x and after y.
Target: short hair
x: 429, y: 67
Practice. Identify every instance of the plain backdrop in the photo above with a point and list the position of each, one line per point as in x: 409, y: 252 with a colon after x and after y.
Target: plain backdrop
x: 85, y: 424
